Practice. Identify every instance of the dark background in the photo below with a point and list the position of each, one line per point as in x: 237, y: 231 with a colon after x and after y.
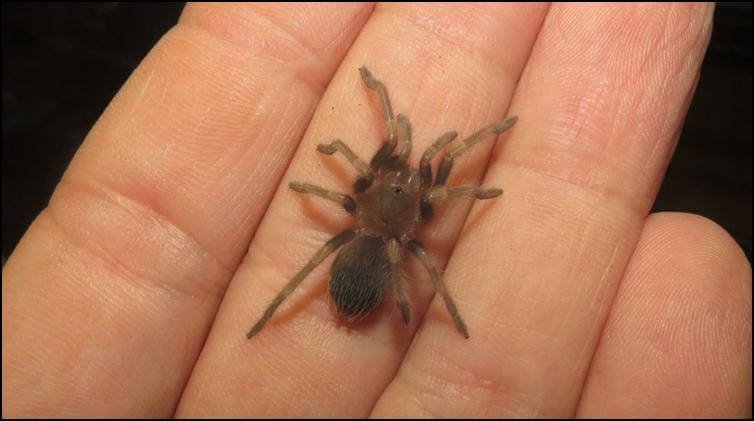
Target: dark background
x: 62, y: 63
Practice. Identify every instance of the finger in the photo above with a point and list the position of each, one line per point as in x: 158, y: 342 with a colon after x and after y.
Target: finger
x: 107, y: 300
x: 443, y: 70
x: 677, y: 343
x: 599, y: 104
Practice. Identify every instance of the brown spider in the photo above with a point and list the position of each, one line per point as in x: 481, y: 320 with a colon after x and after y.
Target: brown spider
x: 391, y: 200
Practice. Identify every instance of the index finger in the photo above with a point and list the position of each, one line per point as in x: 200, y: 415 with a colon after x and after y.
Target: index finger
x: 124, y: 269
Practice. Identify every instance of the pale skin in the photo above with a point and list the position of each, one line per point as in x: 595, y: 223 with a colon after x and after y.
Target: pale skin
x: 174, y: 227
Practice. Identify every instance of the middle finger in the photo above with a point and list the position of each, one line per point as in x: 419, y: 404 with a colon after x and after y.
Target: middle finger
x: 445, y: 70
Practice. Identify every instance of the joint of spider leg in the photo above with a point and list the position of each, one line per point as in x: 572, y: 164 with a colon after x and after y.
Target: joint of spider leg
x: 425, y: 172
x: 437, y: 194
x: 444, y: 171
x: 425, y: 169
x: 505, y: 124
x: 382, y: 154
x: 362, y: 183
x: 440, y: 193
x: 349, y: 205
x: 297, y: 186
x: 488, y: 193
x: 426, y: 210
x: 368, y: 79
x: 405, y: 127
x: 326, y: 149
x: 391, y: 131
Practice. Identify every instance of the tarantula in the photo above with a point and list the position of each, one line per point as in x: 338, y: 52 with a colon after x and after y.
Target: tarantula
x: 391, y: 200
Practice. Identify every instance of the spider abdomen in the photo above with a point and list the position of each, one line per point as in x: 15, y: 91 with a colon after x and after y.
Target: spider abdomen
x: 359, y: 276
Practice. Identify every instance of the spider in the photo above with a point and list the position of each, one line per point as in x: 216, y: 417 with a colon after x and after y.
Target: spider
x: 391, y: 200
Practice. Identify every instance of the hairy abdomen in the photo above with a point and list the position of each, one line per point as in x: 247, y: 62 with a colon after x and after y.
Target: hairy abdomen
x: 359, y: 276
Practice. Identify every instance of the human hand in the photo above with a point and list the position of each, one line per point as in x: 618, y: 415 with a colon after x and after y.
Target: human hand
x: 130, y: 295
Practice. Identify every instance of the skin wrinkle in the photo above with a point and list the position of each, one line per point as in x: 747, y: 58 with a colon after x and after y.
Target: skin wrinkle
x: 599, y: 295
x: 204, y: 155
x: 99, y: 191
x: 456, y: 41
x: 636, y: 203
x: 316, y: 84
x: 298, y: 46
x: 69, y: 364
x: 607, y: 145
x: 288, y: 46
x: 147, y: 84
x: 436, y: 384
x: 301, y: 44
x: 250, y: 187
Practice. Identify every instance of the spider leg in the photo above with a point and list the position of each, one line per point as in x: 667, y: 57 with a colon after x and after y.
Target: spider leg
x: 340, y: 198
x: 441, y: 193
x: 425, y: 171
x: 329, y: 247
x: 418, y: 249
x: 424, y: 164
x: 391, y: 124
x: 460, y: 148
x: 365, y: 173
x: 338, y: 145
x: 405, y: 127
x: 394, y: 253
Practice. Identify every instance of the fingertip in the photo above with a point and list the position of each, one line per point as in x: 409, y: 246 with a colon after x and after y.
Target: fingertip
x: 680, y: 326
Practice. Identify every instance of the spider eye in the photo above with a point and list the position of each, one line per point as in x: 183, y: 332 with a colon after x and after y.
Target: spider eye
x: 397, y: 190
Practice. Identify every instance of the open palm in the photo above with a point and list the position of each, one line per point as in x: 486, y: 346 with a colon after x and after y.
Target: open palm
x: 173, y: 228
